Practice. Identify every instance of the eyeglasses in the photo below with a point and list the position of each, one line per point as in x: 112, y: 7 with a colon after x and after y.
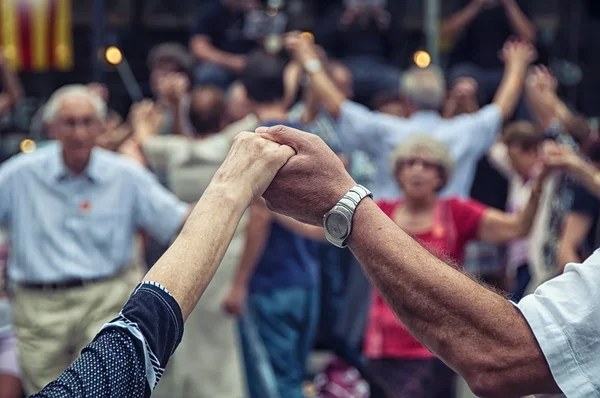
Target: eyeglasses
x: 73, y: 123
x: 426, y: 164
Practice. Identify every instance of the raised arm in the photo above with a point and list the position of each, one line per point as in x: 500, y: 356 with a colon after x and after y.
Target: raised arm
x: 129, y: 355
x: 456, y: 23
x: 519, y: 21
x: 12, y: 91
x: 305, y: 53
x: 204, y: 51
x: 562, y: 157
x: 517, y: 55
x: 542, y: 99
x: 500, y: 227
x: 474, y: 330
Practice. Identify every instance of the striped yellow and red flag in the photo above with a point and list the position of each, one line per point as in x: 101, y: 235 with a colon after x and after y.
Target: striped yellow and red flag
x: 37, y: 35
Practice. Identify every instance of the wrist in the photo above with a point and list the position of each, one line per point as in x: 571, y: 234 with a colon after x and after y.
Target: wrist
x: 233, y: 195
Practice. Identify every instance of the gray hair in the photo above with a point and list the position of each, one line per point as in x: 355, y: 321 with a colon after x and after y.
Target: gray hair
x: 54, y: 102
x: 422, y: 144
x: 424, y: 88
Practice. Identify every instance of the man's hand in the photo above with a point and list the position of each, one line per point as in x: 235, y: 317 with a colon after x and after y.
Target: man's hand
x: 312, y: 182
x: 144, y: 118
x: 541, y: 78
x: 235, y: 301
x: 518, y: 53
x: 251, y: 165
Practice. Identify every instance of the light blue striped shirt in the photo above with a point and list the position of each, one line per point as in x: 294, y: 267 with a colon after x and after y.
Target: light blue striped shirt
x: 468, y: 136
x: 64, y: 226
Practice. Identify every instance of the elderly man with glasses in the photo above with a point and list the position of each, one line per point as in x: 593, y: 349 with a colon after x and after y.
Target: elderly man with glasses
x: 71, y: 211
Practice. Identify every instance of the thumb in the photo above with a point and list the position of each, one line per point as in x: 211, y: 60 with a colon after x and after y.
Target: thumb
x: 293, y: 138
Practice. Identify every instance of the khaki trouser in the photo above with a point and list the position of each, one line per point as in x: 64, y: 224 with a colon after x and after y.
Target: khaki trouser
x: 53, y: 326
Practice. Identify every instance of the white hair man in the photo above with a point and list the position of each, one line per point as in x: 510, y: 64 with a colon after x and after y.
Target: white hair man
x: 423, y: 92
x: 71, y: 210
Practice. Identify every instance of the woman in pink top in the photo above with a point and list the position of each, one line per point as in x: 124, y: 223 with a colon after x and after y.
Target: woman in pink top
x: 422, y: 165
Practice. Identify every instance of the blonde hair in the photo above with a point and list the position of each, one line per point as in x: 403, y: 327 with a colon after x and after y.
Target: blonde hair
x: 422, y: 144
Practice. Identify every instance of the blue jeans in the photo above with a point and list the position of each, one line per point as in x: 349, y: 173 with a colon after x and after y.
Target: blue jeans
x: 277, y: 334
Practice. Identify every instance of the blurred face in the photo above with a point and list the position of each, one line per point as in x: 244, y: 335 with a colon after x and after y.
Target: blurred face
x: 419, y: 176
x: 77, y: 127
x: 342, y: 77
x: 239, y: 106
x: 523, y: 160
x: 463, y: 97
x: 160, y: 70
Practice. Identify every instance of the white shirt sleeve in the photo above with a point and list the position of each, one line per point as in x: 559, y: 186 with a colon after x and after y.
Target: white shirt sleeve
x: 482, y: 127
x: 159, y: 149
x: 564, y: 315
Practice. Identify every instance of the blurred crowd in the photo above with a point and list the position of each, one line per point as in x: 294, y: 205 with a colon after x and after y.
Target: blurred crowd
x: 102, y: 196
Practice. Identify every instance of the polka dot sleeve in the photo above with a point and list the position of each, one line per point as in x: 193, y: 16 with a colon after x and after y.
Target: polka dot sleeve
x: 129, y: 354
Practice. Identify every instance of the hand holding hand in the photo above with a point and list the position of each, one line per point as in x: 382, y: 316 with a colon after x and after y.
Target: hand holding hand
x: 560, y: 157
x: 251, y: 165
x: 235, y: 301
x: 311, y: 182
x: 518, y: 52
x: 300, y: 48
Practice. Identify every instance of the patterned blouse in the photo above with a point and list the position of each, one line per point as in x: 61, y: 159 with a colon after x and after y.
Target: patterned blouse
x: 129, y: 354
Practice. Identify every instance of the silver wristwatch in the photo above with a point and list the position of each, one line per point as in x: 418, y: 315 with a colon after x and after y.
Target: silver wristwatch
x: 338, y: 221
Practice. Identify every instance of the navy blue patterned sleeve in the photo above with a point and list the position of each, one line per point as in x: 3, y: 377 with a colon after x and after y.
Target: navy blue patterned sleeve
x: 129, y: 354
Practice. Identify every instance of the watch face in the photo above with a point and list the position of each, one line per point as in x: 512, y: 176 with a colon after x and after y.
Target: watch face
x: 337, y: 225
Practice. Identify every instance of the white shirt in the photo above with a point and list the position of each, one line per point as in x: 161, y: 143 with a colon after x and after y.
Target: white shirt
x: 468, y: 136
x: 564, y: 315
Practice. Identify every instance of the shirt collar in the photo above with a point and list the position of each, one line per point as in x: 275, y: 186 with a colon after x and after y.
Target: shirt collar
x: 426, y: 115
x: 59, y: 171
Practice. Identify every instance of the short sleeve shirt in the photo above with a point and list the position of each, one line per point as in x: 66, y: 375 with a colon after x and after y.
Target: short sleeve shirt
x: 564, y: 316
x: 456, y: 222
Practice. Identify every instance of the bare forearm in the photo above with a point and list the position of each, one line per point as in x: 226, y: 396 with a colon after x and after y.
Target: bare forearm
x: 10, y: 83
x: 331, y: 97
x: 474, y: 330
x: 204, y: 51
x: 527, y: 215
x: 542, y: 106
x: 256, y: 239
x: 521, y: 25
x: 458, y: 22
x: 567, y: 254
x: 200, y: 247
x: 588, y: 175
x: 510, y: 89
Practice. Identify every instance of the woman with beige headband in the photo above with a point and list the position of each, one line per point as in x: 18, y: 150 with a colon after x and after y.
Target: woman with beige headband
x: 422, y: 166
